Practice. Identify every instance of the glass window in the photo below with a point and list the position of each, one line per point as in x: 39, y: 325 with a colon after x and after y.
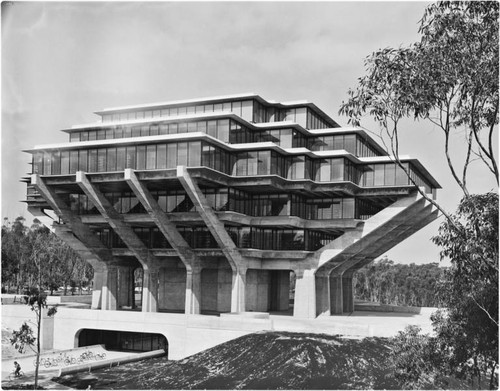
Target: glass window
x: 301, y: 116
x: 109, y: 134
x: 192, y: 127
x: 379, y: 175
x: 56, y: 162
x: 161, y: 156
x: 82, y: 163
x: 212, y: 128
x: 64, y: 162
x: 74, y: 137
x: 73, y: 161
x: 101, y: 160
x: 338, y: 170
x: 127, y: 131
x: 111, y: 160
x: 92, y: 135
x: 194, y: 154
x: 153, y: 130
x: 141, y: 157
x: 350, y: 143
x: 47, y: 163
x: 120, y: 158
x: 401, y: 177
x: 183, y: 127
x: 136, y: 131
x: 101, y: 134
x: 171, y: 155
x: 223, y: 130
x: 264, y: 163
x: 130, y: 158
x: 163, y: 129
x: 324, y: 172
x: 390, y: 174
x: 182, y: 152
x: 348, y: 208
x: 150, y: 157
x: 247, y: 110
x: 236, y: 109
x: 145, y: 130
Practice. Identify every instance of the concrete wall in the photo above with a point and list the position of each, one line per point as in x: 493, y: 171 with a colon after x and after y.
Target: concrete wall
x: 257, y: 290
x: 216, y: 290
x: 186, y: 334
x: 172, y: 289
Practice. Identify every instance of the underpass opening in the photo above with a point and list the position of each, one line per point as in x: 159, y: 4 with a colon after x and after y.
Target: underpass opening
x: 124, y: 341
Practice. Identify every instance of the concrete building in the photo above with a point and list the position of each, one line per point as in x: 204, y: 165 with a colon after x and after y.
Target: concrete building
x: 226, y: 204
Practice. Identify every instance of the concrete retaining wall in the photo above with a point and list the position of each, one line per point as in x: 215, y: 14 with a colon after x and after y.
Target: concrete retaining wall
x: 387, y: 308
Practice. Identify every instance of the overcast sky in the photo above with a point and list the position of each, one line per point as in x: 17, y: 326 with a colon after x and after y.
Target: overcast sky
x: 62, y: 61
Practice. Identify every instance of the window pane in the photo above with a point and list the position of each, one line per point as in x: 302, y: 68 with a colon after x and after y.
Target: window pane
x: 150, y: 157
x: 111, y: 160
x: 171, y: 155
x: 56, y: 163
x: 64, y: 162
x: 223, y: 130
x: 390, y: 172
x: 141, y: 157
x: 120, y: 158
x: 379, y: 175
x: 247, y: 110
x: 161, y: 156
x: 182, y: 151
x: 101, y: 160
x: 93, y: 160
x: 47, y: 163
x: 194, y: 154
x: 73, y: 161
x: 130, y: 158
x: 82, y: 164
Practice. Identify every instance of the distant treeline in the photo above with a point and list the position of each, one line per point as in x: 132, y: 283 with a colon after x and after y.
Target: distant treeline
x: 387, y: 282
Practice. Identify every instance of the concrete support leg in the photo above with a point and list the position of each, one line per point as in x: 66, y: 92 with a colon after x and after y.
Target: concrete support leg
x: 322, y: 294
x: 110, y: 289
x: 150, y: 290
x: 193, y: 291
x: 125, y: 286
x: 348, y: 291
x: 238, y: 287
x: 336, y: 301
x: 100, y: 275
x: 305, y: 294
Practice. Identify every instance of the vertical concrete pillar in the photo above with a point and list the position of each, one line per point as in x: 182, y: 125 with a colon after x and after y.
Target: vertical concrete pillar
x: 99, y: 278
x: 150, y: 290
x: 238, y: 287
x: 110, y: 288
x: 193, y: 291
x: 348, y: 291
x: 322, y: 293
x: 336, y: 301
x: 125, y: 286
x: 305, y: 294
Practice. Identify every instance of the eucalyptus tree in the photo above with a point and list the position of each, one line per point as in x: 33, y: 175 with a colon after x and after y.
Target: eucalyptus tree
x: 450, y: 79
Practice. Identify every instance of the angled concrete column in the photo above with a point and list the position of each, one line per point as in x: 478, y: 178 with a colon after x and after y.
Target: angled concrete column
x: 193, y: 291
x: 211, y: 220
x: 305, y: 294
x: 110, y: 288
x: 88, y: 241
x: 115, y: 220
x: 100, y: 276
x: 348, y: 291
x: 216, y: 227
x: 238, y: 302
x: 171, y: 233
x: 150, y: 284
x: 322, y: 294
x: 336, y: 299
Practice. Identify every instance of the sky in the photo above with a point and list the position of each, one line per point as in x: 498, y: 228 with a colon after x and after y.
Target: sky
x: 62, y: 61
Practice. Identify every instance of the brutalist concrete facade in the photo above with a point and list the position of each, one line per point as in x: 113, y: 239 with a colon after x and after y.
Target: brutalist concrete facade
x: 224, y: 202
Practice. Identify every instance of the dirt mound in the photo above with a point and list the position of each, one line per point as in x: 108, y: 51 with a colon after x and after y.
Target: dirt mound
x: 268, y: 360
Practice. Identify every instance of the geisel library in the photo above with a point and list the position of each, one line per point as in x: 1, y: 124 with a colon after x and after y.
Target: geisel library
x: 229, y: 204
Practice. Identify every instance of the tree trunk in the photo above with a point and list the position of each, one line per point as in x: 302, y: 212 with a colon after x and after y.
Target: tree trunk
x: 39, y: 324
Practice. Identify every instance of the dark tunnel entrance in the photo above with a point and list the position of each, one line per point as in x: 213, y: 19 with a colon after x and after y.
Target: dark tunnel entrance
x: 125, y: 341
